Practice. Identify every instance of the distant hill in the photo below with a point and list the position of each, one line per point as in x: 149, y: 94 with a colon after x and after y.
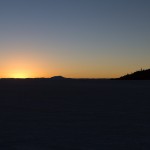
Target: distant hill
x: 138, y: 75
x: 58, y: 78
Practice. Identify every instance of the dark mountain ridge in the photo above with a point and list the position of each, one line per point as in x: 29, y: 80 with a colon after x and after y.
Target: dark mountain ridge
x: 138, y: 75
x: 58, y: 78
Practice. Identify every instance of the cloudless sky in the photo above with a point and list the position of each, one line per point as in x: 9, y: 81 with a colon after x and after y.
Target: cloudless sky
x: 74, y: 38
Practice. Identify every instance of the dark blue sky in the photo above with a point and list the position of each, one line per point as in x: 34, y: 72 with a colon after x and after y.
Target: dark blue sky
x: 76, y: 38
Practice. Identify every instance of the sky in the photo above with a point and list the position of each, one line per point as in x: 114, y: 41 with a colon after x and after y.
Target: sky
x: 74, y: 38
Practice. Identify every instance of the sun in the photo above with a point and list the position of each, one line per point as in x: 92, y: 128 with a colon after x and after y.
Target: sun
x: 21, y: 67
x: 21, y: 75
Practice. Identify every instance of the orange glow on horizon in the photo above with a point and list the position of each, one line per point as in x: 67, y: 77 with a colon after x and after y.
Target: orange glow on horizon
x: 23, y: 66
x: 28, y: 65
x: 22, y: 74
x: 19, y: 75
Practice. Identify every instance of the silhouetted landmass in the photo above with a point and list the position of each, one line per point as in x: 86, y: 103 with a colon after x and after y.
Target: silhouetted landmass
x: 58, y: 78
x: 138, y: 75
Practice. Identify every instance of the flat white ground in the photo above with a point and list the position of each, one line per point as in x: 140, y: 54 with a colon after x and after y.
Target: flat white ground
x: 74, y: 115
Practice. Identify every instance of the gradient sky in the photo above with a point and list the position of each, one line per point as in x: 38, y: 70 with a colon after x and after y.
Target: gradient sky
x: 74, y: 38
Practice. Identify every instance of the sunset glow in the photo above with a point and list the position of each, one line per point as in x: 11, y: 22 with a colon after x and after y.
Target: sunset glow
x: 74, y: 74
x: 19, y: 75
x: 76, y: 39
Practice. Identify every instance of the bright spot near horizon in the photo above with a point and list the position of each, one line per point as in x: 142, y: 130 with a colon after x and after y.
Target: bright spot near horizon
x: 19, y: 75
x: 23, y: 65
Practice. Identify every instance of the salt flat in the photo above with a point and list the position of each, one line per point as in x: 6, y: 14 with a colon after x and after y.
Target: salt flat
x: 74, y: 115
